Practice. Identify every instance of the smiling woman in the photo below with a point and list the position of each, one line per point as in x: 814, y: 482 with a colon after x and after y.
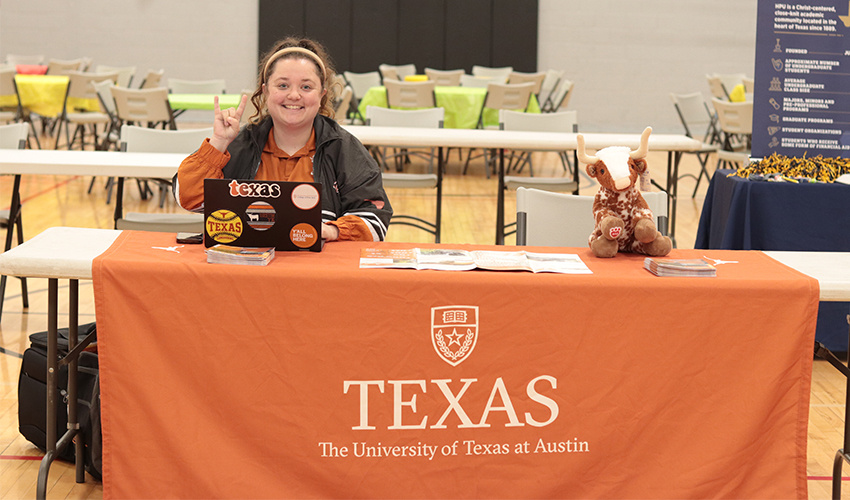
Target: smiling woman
x: 292, y: 137
x: 293, y: 95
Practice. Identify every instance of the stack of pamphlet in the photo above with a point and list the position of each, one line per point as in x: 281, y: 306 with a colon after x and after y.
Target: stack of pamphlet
x: 679, y: 267
x: 246, y: 256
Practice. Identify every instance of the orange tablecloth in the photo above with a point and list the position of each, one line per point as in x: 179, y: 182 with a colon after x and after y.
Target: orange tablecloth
x: 313, y: 378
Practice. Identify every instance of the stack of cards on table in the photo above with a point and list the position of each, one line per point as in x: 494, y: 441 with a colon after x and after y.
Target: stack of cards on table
x: 679, y: 267
x: 246, y: 256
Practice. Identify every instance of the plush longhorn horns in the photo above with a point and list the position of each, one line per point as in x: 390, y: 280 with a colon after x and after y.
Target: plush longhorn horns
x: 644, y: 145
x: 638, y: 153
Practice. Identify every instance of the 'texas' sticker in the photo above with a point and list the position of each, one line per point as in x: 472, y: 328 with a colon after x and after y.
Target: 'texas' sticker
x: 254, y: 189
x: 224, y: 226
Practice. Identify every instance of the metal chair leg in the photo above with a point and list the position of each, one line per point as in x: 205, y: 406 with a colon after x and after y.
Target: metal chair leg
x: 836, y: 474
x: 34, y: 135
x: 703, y: 171
x: 58, y: 135
x: 15, y: 222
x: 486, y: 163
x: 24, y: 293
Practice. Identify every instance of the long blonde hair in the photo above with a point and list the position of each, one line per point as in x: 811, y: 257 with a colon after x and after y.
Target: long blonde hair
x: 325, y: 74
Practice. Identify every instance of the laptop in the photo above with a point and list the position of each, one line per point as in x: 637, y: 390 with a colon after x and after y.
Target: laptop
x: 253, y: 213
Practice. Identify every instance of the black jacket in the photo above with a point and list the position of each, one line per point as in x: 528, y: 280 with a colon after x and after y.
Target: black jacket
x: 350, y: 177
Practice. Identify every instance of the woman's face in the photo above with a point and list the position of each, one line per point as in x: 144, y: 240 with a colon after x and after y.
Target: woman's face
x: 293, y: 93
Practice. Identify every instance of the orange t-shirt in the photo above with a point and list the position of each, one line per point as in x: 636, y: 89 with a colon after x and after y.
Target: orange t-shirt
x: 277, y: 165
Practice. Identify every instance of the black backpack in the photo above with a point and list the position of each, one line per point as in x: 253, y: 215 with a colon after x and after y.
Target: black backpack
x: 32, y: 398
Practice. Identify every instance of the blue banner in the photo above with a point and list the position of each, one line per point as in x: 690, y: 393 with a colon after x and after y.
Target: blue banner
x: 801, y: 101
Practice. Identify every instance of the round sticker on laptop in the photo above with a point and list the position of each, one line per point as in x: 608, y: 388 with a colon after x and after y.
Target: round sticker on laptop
x: 224, y: 226
x: 303, y: 235
x: 261, y: 215
x: 305, y: 196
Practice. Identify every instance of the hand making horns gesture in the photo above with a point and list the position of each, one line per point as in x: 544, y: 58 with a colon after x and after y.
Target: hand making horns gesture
x: 226, y: 124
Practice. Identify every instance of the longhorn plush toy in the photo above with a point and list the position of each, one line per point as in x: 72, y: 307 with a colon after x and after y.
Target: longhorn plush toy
x: 622, y: 218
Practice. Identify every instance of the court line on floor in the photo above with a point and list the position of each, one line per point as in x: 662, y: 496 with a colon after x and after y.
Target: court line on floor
x: 11, y: 353
x: 52, y: 188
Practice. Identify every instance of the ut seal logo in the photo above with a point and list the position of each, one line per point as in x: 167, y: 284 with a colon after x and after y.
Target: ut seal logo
x: 454, y: 332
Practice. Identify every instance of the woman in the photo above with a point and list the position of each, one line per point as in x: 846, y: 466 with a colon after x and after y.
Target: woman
x: 293, y: 137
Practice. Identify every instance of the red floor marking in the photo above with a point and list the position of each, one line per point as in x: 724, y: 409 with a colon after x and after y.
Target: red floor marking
x: 826, y: 478
x: 19, y: 457
x: 52, y: 188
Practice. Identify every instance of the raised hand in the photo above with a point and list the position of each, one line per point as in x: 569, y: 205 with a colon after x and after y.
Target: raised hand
x: 226, y: 123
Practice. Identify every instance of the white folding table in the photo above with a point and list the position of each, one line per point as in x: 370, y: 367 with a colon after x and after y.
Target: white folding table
x: 95, y: 163
x: 674, y: 145
x: 832, y: 270
x: 60, y: 253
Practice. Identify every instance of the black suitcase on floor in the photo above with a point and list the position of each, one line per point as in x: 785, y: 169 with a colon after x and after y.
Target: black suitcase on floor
x: 32, y: 393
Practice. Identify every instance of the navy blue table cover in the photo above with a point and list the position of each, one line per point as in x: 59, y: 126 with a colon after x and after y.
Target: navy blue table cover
x: 739, y: 214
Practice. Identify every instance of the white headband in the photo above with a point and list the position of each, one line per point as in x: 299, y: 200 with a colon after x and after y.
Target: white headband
x: 288, y: 50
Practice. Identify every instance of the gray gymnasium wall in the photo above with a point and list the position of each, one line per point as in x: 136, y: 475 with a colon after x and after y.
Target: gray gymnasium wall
x: 189, y: 39
x: 624, y: 56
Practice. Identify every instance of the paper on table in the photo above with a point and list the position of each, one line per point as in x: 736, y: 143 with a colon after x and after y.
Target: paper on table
x: 461, y: 260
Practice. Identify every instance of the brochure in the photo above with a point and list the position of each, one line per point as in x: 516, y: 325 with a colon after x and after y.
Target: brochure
x: 249, y: 256
x: 679, y: 267
x: 446, y: 259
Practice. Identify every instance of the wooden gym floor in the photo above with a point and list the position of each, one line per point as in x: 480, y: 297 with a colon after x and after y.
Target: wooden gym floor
x: 469, y: 216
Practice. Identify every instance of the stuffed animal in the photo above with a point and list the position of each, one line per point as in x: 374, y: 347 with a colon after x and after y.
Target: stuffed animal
x: 623, y: 221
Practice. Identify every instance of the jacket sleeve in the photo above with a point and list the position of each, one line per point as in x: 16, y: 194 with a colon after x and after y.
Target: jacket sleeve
x: 361, y: 192
x: 188, y: 185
